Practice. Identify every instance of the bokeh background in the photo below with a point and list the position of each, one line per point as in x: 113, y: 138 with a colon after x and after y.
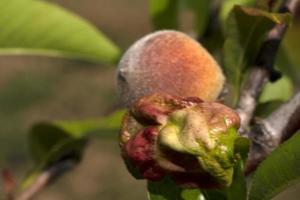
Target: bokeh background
x: 33, y: 89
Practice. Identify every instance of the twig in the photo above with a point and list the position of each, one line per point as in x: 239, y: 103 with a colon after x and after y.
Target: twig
x: 263, y: 70
x: 8, y: 184
x: 45, y: 178
x: 272, y: 131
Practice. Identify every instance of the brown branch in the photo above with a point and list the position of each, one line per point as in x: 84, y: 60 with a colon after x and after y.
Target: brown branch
x: 45, y: 178
x: 8, y: 184
x: 263, y: 70
x: 272, y: 131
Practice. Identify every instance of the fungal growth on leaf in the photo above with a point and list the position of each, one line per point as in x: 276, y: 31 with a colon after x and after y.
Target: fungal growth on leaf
x: 168, y: 62
x: 185, y: 138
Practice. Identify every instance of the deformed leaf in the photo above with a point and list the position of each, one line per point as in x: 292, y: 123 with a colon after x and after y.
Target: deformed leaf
x: 43, y: 28
x: 164, y: 14
x: 238, y: 187
x: 279, y: 171
x: 246, y: 28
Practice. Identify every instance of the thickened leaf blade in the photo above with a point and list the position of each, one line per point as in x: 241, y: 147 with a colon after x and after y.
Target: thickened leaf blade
x: 43, y: 28
x: 279, y: 171
x: 246, y: 28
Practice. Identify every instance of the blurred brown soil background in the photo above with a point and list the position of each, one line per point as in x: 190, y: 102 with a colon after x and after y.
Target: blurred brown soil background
x: 33, y: 89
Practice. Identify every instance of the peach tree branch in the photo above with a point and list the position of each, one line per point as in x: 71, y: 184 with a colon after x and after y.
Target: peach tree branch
x: 263, y: 70
x: 268, y: 133
x: 45, y: 178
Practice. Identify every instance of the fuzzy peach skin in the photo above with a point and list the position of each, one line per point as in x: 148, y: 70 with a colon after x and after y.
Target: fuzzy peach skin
x: 168, y: 62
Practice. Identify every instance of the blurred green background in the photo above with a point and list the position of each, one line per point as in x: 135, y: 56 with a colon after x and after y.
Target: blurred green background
x: 34, y: 89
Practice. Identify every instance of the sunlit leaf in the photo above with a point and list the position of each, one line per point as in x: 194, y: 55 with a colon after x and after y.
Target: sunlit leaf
x: 279, y: 90
x: 191, y: 194
x: 164, y: 14
x: 246, y: 28
x: 43, y: 28
x: 279, y: 171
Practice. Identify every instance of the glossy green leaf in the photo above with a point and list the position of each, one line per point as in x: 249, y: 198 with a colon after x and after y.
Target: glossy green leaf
x: 164, y: 14
x: 43, y: 28
x: 279, y: 90
x: 246, y: 28
x: 51, y: 142
x: 279, y: 171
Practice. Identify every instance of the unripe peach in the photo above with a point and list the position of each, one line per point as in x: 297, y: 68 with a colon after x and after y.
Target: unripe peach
x: 168, y: 62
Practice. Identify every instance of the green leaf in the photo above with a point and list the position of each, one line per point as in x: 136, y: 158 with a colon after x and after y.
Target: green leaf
x: 165, y: 189
x: 264, y: 109
x: 246, y: 28
x: 164, y: 14
x: 51, y: 142
x: 279, y: 171
x: 238, y: 188
x: 214, y: 194
x: 279, y: 90
x: 227, y: 5
x: 241, y: 147
x: 286, y: 64
x: 191, y: 194
x: 201, y: 11
x: 43, y: 28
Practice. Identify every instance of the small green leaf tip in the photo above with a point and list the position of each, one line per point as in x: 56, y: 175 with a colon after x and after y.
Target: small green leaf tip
x: 187, y: 139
